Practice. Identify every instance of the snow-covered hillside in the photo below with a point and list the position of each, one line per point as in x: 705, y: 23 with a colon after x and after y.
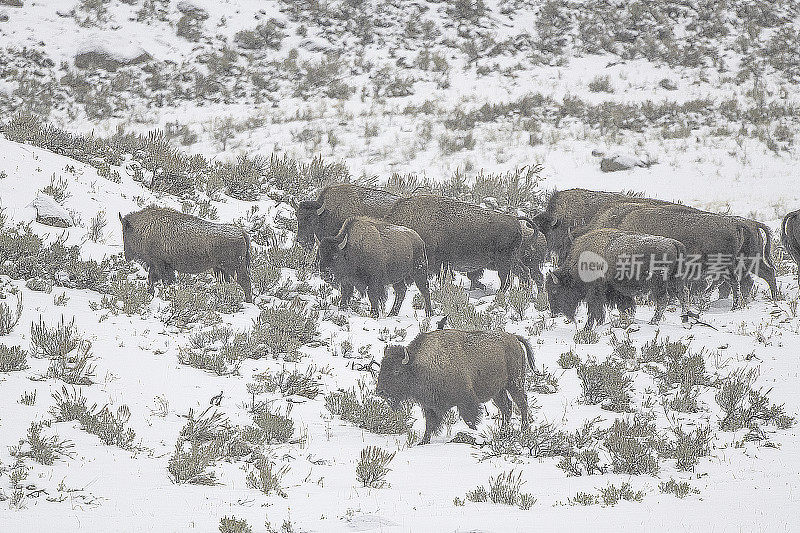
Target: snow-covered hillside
x: 207, y: 407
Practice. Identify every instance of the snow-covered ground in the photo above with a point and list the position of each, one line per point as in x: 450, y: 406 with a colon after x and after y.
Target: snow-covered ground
x: 742, y: 484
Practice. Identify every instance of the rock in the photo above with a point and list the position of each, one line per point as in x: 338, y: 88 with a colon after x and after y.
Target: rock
x: 108, y: 55
x: 598, y: 153
x: 490, y: 202
x: 192, y: 9
x: 50, y: 213
x: 40, y: 285
x: 615, y: 163
x: 668, y: 84
x: 463, y: 437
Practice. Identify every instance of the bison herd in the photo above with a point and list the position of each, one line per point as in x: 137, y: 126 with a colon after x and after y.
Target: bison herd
x: 607, y: 249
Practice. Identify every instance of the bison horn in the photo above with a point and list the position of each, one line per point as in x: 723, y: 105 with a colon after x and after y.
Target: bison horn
x: 406, y: 358
x: 344, y: 242
x: 321, y: 208
x: 555, y: 279
x: 120, y: 217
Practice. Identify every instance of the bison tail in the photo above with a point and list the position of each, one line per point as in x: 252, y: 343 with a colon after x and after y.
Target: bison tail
x: 247, y: 253
x: 741, y: 235
x: 528, y: 350
x: 767, y: 250
x: 680, y: 251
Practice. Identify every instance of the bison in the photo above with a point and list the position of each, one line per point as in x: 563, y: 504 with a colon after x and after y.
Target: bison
x: 462, y: 236
x: 790, y: 237
x: 165, y: 240
x: 336, y: 203
x: 706, y: 236
x: 572, y: 212
x: 450, y: 368
x: 531, y: 254
x: 574, y: 281
x: 370, y: 254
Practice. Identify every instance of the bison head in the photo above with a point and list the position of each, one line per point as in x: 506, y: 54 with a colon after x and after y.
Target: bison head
x: 395, y: 376
x: 329, y: 255
x: 308, y: 223
x: 557, y: 233
x: 128, y: 237
x: 563, y: 294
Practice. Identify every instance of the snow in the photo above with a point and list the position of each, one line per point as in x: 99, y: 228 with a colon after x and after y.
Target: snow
x: 744, y: 486
x: 137, y: 363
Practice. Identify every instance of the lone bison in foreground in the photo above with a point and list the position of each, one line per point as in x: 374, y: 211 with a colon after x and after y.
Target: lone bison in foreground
x: 462, y: 236
x: 450, y: 368
x: 369, y: 254
x: 574, y: 282
x: 323, y: 217
x: 165, y: 240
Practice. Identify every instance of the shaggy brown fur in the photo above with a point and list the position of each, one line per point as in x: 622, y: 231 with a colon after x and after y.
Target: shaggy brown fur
x: 369, y: 254
x: 164, y: 241
x: 450, y: 368
x: 324, y: 216
x: 566, y: 289
x: 461, y: 236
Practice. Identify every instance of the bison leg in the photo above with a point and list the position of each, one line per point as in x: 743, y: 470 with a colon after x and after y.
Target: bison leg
x: 678, y: 289
x: 475, y: 280
x: 504, y: 271
x: 155, y: 273
x: 517, y: 391
x: 347, y: 293
x: 168, y: 275
x: 433, y: 424
x: 152, y: 277
x: 399, y: 296
x: 724, y: 290
x: 596, y: 302
x: 243, y: 279
x: 421, y: 281
x: 737, y: 289
x: 767, y: 273
x: 504, y: 404
x: 470, y: 410
x: 524, y: 274
x: 661, y: 297
x: 538, y: 279
x: 377, y: 297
